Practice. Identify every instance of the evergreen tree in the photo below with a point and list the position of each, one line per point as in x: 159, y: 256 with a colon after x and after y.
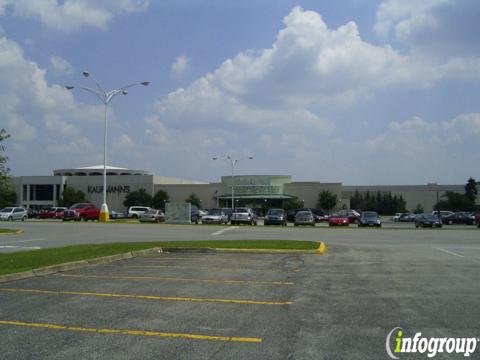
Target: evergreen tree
x: 159, y: 199
x: 194, y: 200
x: 7, y: 192
x: 327, y: 200
x: 71, y: 196
x: 471, y: 190
x: 138, y: 198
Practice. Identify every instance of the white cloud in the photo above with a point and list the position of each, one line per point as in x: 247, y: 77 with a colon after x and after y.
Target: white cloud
x: 40, y: 116
x: 180, y: 66
x: 71, y: 15
x: 60, y: 66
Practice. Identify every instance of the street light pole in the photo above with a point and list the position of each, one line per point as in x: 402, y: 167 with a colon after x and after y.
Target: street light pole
x: 233, y: 162
x: 105, y: 97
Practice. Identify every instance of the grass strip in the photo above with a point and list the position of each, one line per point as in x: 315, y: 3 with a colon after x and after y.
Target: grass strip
x: 32, y: 259
x: 8, y: 231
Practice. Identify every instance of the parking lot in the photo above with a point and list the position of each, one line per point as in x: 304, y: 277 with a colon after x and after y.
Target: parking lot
x: 235, y: 306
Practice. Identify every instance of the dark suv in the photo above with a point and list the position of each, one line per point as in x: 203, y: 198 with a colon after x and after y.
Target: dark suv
x: 194, y: 214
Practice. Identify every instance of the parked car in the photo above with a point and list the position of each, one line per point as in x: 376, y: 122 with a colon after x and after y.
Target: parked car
x: 135, y: 211
x: 81, y: 211
x: 58, y: 214
x: 369, y: 218
x: 243, y: 215
x: 427, y: 220
x: 118, y: 215
x: 338, y: 219
x: 459, y: 218
x: 47, y: 213
x: 228, y: 212
x: 477, y: 218
x: 32, y: 213
x: 215, y: 216
x: 291, y: 214
x: 318, y: 214
x: 396, y: 216
x: 407, y: 217
x: 275, y: 217
x: 202, y: 213
x: 13, y: 213
x: 352, y: 215
x: 304, y: 218
x: 443, y: 213
x: 152, y: 215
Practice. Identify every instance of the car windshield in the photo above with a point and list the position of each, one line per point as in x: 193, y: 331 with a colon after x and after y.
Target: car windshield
x: 215, y: 212
x: 241, y: 210
x: 151, y: 211
x: 275, y: 212
x: 431, y: 217
x: 369, y: 214
x: 304, y: 213
x: 78, y: 206
x: 7, y: 209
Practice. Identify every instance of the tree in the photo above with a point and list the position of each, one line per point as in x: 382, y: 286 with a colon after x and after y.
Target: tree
x: 194, y: 200
x: 291, y: 204
x: 159, y: 199
x: 471, y: 190
x: 419, y: 209
x: 71, y: 196
x: 139, y: 197
x: 327, y: 200
x: 8, y: 195
x: 455, y: 202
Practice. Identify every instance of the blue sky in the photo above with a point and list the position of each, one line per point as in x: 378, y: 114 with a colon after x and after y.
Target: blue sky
x: 354, y: 91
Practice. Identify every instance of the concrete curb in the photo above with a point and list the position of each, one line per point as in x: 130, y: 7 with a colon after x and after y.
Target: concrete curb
x: 322, y: 249
x: 48, y: 270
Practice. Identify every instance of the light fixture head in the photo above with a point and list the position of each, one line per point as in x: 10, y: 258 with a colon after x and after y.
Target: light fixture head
x: 69, y: 87
x: 124, y: 92
x: 85, y: 73
x: 145, y: 83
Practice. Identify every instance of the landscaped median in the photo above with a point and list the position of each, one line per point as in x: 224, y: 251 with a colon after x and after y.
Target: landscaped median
x: 10, y: 231
x: 25, y: 264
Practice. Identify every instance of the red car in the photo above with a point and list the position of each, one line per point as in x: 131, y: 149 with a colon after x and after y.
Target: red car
x: 338, y: 219
x: 51, y: 213
x: 81, y: 211
x: 477, y: 218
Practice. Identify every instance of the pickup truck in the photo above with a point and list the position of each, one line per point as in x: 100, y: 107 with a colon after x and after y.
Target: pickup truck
x: 81, y: 211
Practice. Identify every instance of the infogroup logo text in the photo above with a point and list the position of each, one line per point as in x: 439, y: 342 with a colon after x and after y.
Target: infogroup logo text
x: 429, y: 346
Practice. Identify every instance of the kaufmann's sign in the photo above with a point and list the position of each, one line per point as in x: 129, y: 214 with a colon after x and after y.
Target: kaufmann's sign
x: 115, y: 189
x: 256, y: 184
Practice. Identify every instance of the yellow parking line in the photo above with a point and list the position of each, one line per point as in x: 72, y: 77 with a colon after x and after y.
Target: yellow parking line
x: 208, y: 258
x: 254, y: 282
x: 191, y: 267
x: 133, y: 332
x: 149, y: 297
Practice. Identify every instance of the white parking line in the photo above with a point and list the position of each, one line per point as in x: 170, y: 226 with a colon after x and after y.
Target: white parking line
x: 448, y: 252
x: 19, y: 247
x: 219, y: 232
x: 23, y: 241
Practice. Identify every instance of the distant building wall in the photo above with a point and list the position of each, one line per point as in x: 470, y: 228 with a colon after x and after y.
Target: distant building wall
x: 425, y: 195
x: 308, y: 191
x: 205, y: 192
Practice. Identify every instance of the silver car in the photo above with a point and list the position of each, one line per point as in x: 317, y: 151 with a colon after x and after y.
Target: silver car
x: 13, y: 213
x: 304, y: 218
x: 152, y: 215
x: 215, y: 216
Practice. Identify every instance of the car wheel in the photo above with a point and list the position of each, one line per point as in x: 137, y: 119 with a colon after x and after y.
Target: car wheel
x: 450, y: 222
x: 134, y: 216
x: 24, y: 218
x: 10, y: 218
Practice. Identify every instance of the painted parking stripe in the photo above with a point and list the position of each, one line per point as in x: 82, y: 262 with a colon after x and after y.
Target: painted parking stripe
x: 20, y: 247
x: 448, y: 252
x: 220, y: 232
x: 24, y: 241
x: 133, y: 332
x: 189, y: 267
x: 205, y: 258
x: 164, y: 278
x: 149, y: 297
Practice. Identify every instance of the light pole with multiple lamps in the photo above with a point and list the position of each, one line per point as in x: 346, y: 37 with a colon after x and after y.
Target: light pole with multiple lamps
x: 105, y: 97
x: 233, y: 162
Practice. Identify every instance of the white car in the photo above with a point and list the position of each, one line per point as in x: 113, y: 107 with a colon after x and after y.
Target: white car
x: 134, y: 212
x: 215, y: 216
x: 13, y: 213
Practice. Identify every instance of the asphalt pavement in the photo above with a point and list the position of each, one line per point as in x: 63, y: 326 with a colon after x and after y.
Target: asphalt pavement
x: 341, y: 305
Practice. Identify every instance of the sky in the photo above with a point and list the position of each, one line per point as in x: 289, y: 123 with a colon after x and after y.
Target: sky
x: 354, y: 91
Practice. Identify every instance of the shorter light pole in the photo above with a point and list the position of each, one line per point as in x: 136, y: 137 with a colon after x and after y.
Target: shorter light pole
x: 105, y: 97
x: 232, y: 162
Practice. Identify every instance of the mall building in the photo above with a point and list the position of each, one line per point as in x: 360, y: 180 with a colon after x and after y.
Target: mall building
x: 256, y: 191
